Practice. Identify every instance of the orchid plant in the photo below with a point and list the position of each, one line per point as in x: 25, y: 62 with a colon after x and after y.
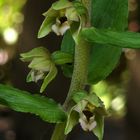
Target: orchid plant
x: 94, y: 35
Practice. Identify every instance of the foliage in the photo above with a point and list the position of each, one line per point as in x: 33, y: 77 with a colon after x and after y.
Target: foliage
x: 23, y: 101
x: 94, y: 35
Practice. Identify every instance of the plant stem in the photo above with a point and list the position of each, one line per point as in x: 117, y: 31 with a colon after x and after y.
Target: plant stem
x: 78, y: 81
x: 79, y: 77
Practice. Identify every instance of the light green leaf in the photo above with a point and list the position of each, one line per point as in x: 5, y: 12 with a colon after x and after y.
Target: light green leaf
x: 50, y: 76
x: 22, y: 101
x: 99, y: 129
x: 60, y: 57
x: 106, y: 14
x: 102, y: 61
x: 112, y: 38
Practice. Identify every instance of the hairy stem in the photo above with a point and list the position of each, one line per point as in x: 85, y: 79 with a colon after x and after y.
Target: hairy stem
x: 77, y: 83
x: 79, y: 76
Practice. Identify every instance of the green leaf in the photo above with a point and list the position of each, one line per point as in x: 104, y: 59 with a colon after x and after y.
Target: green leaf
x: 110, y: 14
x: 112, y: 38
x: 22, y: 101
x: 102, y: 61
x: 68, y: 44
x: 50, y: 76
x: 106, y: 14
x: 99, y: 129
x: 67, y: 70
x: 60, y: 57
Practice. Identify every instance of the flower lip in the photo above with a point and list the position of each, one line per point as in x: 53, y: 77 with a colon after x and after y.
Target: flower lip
x: 63, y: 19
x: 88, y: 114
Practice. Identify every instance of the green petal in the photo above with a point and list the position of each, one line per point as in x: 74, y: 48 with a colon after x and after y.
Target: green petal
x: 40, y: 64
x: 50, y: 76
x: 99, y: 129
x: 51, y: 13
x: 46, y: 26
x: 72, y: 120
x: 36, y: 52
x: 61, y: 4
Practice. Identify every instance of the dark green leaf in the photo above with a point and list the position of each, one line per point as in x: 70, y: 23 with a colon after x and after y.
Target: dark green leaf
x: 106, y: 14
x: 112, y: 38
x: 68, y: 46
x: 22, y: 101
x: 68, y: 43
x: 67, y: 70
x: 102, y: 61
x: 110, y: 14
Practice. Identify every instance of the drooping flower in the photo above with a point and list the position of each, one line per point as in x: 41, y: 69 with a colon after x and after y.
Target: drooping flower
x: 89, y: 111
x: 61, y: 16
x: 41, y: 65
x: 87, y: 115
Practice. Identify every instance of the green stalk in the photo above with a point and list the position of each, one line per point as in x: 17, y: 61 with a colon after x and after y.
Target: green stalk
x: 79, y: 78
x: 78, y: 81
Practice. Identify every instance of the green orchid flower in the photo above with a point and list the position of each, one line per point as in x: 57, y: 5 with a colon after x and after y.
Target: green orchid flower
x: 87, y: 115
x: 89, y: 111
x: 63, y: 15
x: 41, y: 65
